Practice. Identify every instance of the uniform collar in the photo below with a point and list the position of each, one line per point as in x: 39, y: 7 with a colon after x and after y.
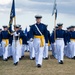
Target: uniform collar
x: 38, y: 24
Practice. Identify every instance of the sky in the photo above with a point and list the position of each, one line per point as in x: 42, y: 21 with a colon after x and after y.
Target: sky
x: 27, y: 9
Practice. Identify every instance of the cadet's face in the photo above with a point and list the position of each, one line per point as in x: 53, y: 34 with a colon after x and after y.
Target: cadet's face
x: 56, y: 28
x: 17, y: 29
x: 68, y: 29
x: 5, y: 29
x: 60, y: 27
x: 72, y: 29
x: 38, y: 20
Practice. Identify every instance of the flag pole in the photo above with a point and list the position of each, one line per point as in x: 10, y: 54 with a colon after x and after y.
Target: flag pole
x: 15, y: 16
x: 14, y: 20
x: 54, y: 26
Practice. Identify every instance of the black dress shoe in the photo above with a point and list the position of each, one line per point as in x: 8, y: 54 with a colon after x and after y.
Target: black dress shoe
x: 9, y: 57
x: 5, y: 59
x: 33, y: 58
x: 1, y: 56
x: 46, y: 58
x: 22, y: 56
x: 73, y: 57
x: 39, y: 66
x: 61, y: 62
x: 16, y: 63
x: 25, y: 50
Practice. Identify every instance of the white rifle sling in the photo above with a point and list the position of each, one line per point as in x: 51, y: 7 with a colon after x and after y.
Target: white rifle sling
x: 38, y: 29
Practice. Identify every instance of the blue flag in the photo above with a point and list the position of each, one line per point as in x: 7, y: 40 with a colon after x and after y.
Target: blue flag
x: 26, y: 31
x: 12, y: 15
x: 55, y: 10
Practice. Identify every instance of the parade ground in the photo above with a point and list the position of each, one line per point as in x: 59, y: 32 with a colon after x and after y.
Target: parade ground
x: 27, y: 67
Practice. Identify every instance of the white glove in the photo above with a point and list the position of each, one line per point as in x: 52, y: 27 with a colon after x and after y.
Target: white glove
x: 9, y: 44
x: 54, y: 43
x: 18, y: 34
x: 46, y: 44
x: 31, y: 40
x: 27, y: 41
x: 15, y: 34
x: 65, y: 46
x: 12, y: 33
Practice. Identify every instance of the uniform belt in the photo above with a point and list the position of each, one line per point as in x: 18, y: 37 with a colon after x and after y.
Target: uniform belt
x: 48, y: 43
x: 59, y: 38
x: 72, y: 40
x: 41, y: 39
x: 6, y: 42
x: 20, y: 41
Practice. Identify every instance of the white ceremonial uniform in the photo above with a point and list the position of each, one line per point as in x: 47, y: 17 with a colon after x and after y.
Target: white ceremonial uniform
x: 32, y: 51
x: 1, y: 51
x: 72, y: 48
x: 39, y: 33
x: 54, y: 52
x: 15, y: 48
x: 38, y: 51
x: 45, y: 53
x: 26, y: 47
x: 23, y: 50
x: 67, y: 51
x: 9, y: 50
x: 5, y: 50
x: 60, y: 48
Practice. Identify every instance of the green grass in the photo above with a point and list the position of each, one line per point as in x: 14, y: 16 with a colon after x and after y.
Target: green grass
x: 27, y: 67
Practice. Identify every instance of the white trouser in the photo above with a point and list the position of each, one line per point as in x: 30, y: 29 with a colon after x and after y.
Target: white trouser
x: 15, y: 51
x: 32, y: 51
x: 67, y: 51
x: 50, y: 48
x: 54, y: 52
x: 38, y: 51
x: 5, y: 50
x: 45, y: 52
x: 9, y: 50
x: 23, y: 50
x: 20, y: 50
x: 26, y: 47
x: 60, y: 49
x: 72, y: 49
x: 1, y: 50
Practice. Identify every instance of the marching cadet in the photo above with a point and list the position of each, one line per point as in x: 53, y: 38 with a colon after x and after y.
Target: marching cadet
x: 49, y: 40
x: 16, y: 45
x: 23, y: 40
x: 1, y: 51
x: 67, y: 51
x: 53, y: 45
x: 38, y: 31
x: 5, y: 42
x: 60, y: 34
x: 72, y: 42
x: 18, y: 37
x: 10, y: 47
x: 31, y: 47
x: 45, y: 54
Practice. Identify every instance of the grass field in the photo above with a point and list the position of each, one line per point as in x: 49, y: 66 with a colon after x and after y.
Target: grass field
x: 27, y: 67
